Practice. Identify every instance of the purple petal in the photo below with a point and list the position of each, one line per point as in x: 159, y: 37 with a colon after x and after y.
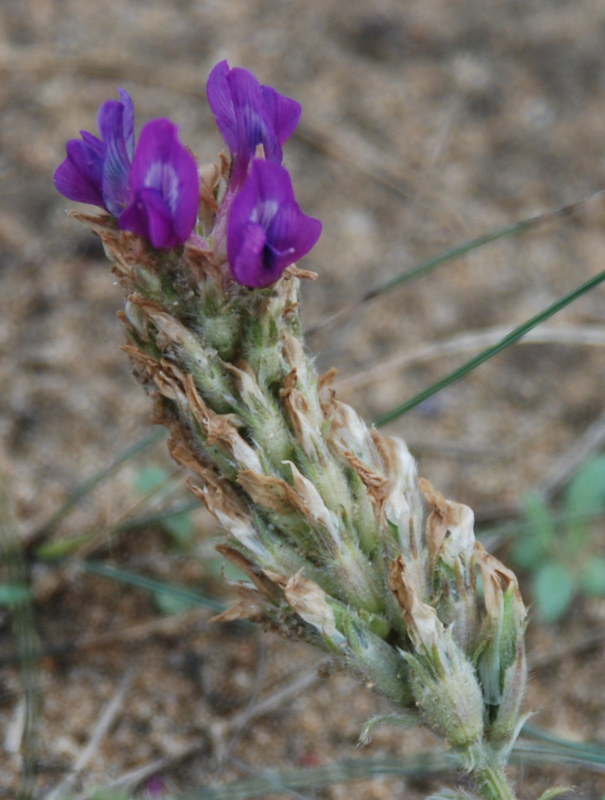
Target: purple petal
x: 249, y: 114
x: 243, y: 211
x: 221, y: 103
x: 134, y: 218
x: 96, y: 170
x: 254, y: 124
x: 250, y: 267
x: 292, y: 234
x: 164, y: 187
x: 93, y: 142
x: 116, y: 165
x: 273, y: 182
x: 79, y: 177
x: 267, y: 230
x: 283, y: 112
x: 153, y: 220
x: 128, y: 122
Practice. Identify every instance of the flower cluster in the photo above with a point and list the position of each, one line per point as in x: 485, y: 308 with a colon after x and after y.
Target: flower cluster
x: 153, y: 189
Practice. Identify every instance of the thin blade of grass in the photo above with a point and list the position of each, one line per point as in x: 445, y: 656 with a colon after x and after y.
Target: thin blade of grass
x: 14, y: 572
x: 136, y: 523
x: 63, y: 548
x: 87, y: 487
x: 489, y: 352
x: 585, y: 748
x: 534, y: 753
x: 515, y: 229
x: 586, y: 335
x: 178, y: 593
x: 431, y: 762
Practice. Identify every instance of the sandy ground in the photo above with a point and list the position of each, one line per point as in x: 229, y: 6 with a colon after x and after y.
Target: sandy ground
x: 424, y: 125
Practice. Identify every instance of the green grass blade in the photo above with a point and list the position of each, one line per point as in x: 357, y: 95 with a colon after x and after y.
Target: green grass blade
x: 178, y: 593
x: 87, y: 487
x: 547, y: 748
x: 148, y: 521
x: 539, y: 734
x: 489, y: 352
x: 529, y: 753
x: 431, y: 762
x: 535, y: 753
x: 14, y: 574
x: 515, y: 229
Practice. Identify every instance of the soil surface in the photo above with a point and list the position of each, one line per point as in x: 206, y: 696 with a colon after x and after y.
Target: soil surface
x: 425, y: 124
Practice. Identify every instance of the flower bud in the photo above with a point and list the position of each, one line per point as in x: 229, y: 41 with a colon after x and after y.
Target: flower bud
x: 446, y: 690
x: 443, y: 679
x: 378, y: 663
x: 451, y: 545
x: 501, y: 662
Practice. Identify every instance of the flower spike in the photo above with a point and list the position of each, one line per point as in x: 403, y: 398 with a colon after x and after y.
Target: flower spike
x: 342, y: 544
x: 267, y: 231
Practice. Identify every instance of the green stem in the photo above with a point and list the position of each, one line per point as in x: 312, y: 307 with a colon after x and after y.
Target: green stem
x: 489, y: 776
x: 494, y: 784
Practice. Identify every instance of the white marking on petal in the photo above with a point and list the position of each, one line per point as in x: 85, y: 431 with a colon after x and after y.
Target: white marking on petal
x: 163, y: 176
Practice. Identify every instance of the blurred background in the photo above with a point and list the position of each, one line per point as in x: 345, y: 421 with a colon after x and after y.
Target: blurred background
x: 425, y: 124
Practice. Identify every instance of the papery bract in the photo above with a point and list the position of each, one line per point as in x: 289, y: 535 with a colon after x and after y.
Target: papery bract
x: 96, y: 170
x: 248, y: 114
x: 164, y: 188
x: 267, y: 231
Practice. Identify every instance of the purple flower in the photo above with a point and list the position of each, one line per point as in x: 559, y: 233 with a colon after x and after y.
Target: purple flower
x: 248, y: 114
x: 267, y: 231
x: 96, y: 170
x: 164, y: 188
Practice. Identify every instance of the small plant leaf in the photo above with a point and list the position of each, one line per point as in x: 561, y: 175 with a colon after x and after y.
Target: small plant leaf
x: 554, y: 588
x: 585, y: 494
x: 180, y: 527
x: 531, y: 548
x: 147, y: 479
x: 592, y: 578
x: 60, y: 548
x: 12, y: 594
x: 171, y: 604
x: 401, y: 720
x: 555, y: 792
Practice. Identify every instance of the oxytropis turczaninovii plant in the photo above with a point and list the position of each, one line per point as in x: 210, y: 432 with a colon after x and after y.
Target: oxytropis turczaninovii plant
x: 344, y: 546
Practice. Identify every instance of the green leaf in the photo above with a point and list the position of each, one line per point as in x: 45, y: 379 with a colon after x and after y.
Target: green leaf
x: 170, y: 603
x: 150, y: 478
x: 180, y: 527
x: 151, y: 584
x: 585, y: 494
x: 554, y: 588
x: 586, y: 491
x: 555, y: 792
x: 12, y: 594
x: 50, y: 551
x: 592, y: 579
x: 400, y: 720
x: 531, y: 549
